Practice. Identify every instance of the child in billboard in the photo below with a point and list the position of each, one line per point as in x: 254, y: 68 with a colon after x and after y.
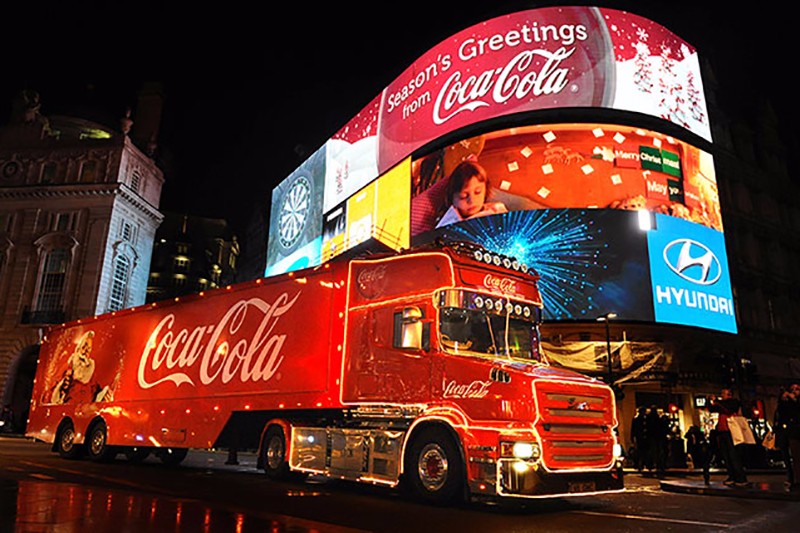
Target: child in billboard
x: 468, y: 188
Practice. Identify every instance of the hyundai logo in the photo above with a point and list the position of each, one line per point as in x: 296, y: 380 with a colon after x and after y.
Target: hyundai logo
x: 693, y: 261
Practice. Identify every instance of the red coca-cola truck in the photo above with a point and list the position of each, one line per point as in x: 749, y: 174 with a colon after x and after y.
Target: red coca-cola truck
x: 421, y: 367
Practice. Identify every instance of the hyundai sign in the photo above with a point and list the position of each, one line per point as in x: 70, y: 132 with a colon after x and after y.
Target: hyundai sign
x: 689, y: 275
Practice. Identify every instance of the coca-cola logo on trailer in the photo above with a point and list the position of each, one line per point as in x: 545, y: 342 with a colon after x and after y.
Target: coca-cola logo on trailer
x: 244, y: 344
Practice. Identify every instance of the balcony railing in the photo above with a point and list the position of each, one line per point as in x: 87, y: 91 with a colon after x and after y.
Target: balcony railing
x: 52, y: 316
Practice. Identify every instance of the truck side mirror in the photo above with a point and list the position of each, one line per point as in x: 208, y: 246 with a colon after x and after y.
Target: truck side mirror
x: 410, y: 329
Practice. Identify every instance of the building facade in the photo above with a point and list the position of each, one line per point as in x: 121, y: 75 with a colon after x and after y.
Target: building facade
x: 78, y: 215
x: 191, y: 254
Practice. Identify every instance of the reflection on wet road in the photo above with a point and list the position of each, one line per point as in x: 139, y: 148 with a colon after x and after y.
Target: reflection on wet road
x: 44, y: 506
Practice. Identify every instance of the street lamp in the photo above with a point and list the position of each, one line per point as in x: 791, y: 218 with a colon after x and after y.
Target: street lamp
x: 606, y: 318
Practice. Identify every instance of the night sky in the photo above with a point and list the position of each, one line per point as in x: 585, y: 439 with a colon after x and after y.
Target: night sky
x: 252, y: 88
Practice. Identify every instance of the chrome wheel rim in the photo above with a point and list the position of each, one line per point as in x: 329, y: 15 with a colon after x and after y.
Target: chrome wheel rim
x: 98, y: 442
x: 432, y: 467
x: 67, y: 439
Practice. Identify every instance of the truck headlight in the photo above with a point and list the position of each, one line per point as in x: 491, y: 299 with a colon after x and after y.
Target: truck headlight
x: 617, y: 451
x: 520, y: 450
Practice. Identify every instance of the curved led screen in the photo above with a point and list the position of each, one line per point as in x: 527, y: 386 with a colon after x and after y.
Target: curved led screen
x: 531, y: 60
x: 567, y: 165
x: 592, y: 261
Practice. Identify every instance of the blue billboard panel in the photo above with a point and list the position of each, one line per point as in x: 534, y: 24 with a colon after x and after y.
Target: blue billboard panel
x: 689, y: 275
x: 591, y: 261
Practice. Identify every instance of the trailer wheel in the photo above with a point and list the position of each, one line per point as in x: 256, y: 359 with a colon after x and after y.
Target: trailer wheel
x: 97, y: 444
x: 273, y: 454
x: 171, y: 456
x: 434, y: 467
x: 136, y: 454
x: 65, y: 441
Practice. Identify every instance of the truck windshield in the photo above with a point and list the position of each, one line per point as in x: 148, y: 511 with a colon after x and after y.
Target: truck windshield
x: 475, y: 328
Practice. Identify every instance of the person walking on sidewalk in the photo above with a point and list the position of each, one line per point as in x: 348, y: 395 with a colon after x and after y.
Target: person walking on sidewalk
x: 793, y: 433
x: 727, y: 406
x: 699, y: 450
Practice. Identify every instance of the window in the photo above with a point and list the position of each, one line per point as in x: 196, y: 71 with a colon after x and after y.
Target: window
x: 48, y: 174
x: 181, y: 264
x: 88, y: 171
x: 119, y: 283
x: 6, y: 221
x: 63, y: 222
x: 51, y: 282
x: 136, y: 179
x: 127, y: 232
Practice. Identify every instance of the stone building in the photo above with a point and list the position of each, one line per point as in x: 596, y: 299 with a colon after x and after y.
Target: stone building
x: 78, y: 215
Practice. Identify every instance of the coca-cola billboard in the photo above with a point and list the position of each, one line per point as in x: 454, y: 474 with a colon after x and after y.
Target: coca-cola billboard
x: 548, y: 58
x: 542, y: 59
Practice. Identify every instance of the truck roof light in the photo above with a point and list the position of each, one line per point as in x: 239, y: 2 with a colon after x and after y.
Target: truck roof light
x: 515, y: 264
x: 478, y: 255
x: 496, y: 260
x: 507, y: 262
x: 524, y: 268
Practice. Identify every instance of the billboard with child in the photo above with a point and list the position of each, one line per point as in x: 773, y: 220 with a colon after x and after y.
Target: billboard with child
x: 564, y: 166
x: 547, y: 58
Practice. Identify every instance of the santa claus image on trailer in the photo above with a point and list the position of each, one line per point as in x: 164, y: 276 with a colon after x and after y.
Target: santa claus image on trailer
x: 77, y: 383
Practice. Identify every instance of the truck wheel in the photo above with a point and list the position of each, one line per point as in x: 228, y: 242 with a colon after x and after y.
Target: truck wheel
x: 65, y: 442
x: 273, y: 454
x: 171, y: 456
x: 136, y: 454
x: 97, y: 445
x: 434, y: 467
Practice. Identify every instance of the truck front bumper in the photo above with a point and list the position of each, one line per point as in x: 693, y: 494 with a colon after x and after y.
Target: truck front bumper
x: 536, y: 482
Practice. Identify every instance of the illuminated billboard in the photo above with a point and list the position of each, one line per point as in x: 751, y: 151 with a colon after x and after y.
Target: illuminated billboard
x: 568, y: 165
x: 546, y: 58
x: 295, y: 223
x: 379, y: 211
x: 689, y: 275
x: 595, y: 261
x: 518, y: 63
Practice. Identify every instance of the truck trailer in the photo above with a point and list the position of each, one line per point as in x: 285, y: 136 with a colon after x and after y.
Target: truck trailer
x: 420, y: 368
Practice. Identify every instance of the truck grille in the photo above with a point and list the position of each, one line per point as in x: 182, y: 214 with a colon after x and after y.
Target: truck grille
x: 576, y: 424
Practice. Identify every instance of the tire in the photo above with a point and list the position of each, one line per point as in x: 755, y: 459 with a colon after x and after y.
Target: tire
x: 97, y: 444
x: 171, y: 456
x: 434, y: 468
x: 273, y: 454
x: 136, y: 454
x: 65, y: 442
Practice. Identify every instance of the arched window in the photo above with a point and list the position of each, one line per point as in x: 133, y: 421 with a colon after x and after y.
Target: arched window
x: 119, y: 283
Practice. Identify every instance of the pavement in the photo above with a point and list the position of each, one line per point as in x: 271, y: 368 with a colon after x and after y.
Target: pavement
x: 764, y: 484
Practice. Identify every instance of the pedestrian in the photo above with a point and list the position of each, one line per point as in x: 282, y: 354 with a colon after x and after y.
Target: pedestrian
x: 638, y: 438
x: 657, y: 431
x: 727, y: 406
x: 699, y: 450
x: 780, y: 427
x: 793, y: 433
